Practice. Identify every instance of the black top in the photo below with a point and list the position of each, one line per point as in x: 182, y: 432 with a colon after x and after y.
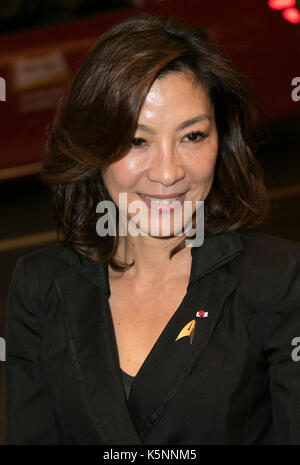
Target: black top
x: 225, y: 369
x: 127, y: 381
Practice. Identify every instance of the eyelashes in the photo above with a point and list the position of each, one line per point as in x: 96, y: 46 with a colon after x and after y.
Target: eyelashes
x: 134, y: 143
x: 138, y: 142
x: 203, y: 135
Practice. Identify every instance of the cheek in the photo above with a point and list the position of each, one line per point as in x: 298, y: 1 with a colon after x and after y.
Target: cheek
x: 203, y: 171
x: 119, y: 176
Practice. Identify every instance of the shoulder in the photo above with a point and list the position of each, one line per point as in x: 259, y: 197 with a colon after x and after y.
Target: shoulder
x: 268, y: 267
x: 273, y: 246
x: 49, y: 254
x: 47, y: 259
x: 35, y: 271
x: 268, y: 293
x: 269, y: 273
x: 266, y: 253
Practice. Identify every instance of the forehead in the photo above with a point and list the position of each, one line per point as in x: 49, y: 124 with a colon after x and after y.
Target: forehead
x: 176, y: 92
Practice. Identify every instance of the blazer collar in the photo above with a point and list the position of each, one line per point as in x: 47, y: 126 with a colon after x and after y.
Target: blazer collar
x: 214, y: 252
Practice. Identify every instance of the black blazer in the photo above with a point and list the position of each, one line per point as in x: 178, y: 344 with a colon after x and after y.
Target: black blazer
x: 238, y: 382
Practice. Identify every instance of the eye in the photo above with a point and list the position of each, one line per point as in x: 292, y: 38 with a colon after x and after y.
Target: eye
x: 137, y: 142
x: 193, y: 136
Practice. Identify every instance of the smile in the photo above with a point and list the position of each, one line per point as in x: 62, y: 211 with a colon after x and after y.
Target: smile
x: 163, y: 201
x: 163, y: 204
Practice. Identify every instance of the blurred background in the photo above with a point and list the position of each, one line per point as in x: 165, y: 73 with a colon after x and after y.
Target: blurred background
x: 42, y: 43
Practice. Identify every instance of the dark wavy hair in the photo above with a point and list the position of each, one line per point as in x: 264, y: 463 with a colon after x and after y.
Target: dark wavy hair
x: 97, y: 118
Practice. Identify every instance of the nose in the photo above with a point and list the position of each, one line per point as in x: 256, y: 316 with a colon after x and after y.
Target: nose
x: 166, y: 167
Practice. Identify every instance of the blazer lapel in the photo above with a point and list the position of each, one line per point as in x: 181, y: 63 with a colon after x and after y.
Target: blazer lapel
x: 170, y: 361
x: 84, y: 298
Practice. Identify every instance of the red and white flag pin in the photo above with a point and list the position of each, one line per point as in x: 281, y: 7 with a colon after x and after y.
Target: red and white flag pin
x: 202, y: 314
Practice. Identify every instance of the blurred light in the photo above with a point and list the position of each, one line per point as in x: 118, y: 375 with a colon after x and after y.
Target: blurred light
x: 280, y: 4
x: 292, y: 15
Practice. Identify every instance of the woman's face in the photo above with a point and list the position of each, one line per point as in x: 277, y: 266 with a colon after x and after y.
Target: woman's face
x: 173, y: 152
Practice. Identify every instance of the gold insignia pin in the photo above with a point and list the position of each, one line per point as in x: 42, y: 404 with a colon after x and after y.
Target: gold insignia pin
x: 188, y: 330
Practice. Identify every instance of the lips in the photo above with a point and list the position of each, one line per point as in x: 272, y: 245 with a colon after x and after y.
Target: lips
x: 161, y: 200
x: 168, y: 196
x: 163, y: 203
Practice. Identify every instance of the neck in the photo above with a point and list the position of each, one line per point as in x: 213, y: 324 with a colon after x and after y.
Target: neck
x: 151, y: 256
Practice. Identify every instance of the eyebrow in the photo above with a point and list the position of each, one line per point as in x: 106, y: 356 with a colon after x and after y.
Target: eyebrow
x: 181, y: 126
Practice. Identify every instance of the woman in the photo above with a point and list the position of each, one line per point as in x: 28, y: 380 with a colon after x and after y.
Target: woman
x: 141, y: 338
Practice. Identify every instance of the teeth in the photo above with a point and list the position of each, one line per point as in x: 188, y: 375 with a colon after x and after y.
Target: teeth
x: 161, y: 201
